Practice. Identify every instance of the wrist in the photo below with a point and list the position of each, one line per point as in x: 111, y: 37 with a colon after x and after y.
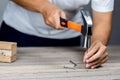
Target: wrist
x: 98, y: 41
x: 44, y: 7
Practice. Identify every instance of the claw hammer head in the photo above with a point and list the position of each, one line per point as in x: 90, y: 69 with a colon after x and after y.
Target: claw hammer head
x: 86, y: 29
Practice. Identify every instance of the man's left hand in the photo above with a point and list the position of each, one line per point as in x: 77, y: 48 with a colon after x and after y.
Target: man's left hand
x: 95, y: 55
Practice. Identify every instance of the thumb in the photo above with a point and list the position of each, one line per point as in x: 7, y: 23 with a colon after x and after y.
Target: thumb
x: 62, y: 14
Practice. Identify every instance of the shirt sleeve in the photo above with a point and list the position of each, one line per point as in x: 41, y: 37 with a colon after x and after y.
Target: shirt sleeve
x: 102, y: 5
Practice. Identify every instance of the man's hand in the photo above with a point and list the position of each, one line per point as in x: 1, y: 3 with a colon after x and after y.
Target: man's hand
x: 96, y: 55
x: 52, y: 16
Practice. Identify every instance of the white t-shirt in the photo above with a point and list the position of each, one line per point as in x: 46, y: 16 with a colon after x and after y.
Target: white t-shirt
x: 32, y: 23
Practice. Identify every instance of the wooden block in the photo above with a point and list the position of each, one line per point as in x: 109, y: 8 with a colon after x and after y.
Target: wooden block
x: 8, y: 51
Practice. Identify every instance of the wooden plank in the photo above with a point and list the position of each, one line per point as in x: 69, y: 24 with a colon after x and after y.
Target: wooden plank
x: 106, y: 74
x: 48, y: 64
x: 7, y: 45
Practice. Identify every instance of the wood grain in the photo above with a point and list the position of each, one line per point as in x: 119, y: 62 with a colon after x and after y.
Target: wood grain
x: 7, y: 51
x: 48, y: 64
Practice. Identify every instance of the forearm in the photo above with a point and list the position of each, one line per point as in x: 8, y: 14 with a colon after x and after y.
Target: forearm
x: 51, y: 13
x: 102, y: 27
x: 34, y: 5
x: 97, y: 53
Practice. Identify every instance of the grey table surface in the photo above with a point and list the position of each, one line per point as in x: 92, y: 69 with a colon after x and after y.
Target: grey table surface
x: 48, y: 63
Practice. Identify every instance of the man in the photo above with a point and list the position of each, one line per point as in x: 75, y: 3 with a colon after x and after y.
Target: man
x: 37, y: 23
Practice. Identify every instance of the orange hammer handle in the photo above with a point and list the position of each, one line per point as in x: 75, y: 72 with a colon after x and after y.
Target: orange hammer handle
x: 71, y: 25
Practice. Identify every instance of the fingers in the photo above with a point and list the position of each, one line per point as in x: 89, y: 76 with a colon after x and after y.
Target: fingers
x: 91, y: 52
x: 57, y: 22
x: 62, y: 14
x: 54, y: 21
x: 98, y: 62
x: 52, y: 16
x: 96, y: 55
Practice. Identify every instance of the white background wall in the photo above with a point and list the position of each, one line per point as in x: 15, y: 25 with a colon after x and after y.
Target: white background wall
x: 115, y: 36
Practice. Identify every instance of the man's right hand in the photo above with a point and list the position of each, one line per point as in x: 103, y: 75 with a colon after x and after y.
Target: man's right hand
x: 52, y: 14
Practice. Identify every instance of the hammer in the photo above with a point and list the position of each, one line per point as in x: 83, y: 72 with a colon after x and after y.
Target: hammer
x: 85, y: 29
